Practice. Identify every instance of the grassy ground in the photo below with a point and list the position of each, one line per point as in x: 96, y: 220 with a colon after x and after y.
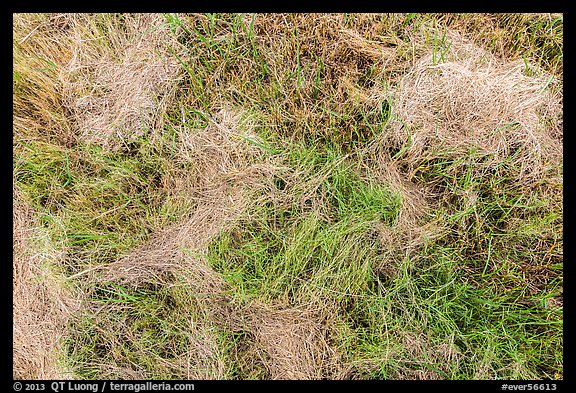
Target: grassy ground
x: 235, y: 196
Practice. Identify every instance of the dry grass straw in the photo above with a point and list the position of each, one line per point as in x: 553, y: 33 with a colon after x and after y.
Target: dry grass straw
x: 109, y: 93
x: 515, y: 35
x: 344, y: 48
x: 505, y: 109
x: 221, y: 168
x: 214, y: 155
x: 41, y: 303
x: 290, y: 341
x: 418, y: 346
x: 332, y: 56
x: 39, y: 48
x: 473, y: 99
x: 98, y: 78
x: 293, y: 341
x: 116, y: 91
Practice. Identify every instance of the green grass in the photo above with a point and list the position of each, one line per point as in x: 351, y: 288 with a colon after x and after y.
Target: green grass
x: 146, y: 326
x: 322, y: 242
x: 99, y: 203
x: 478, y: 296
x: 465, y: 295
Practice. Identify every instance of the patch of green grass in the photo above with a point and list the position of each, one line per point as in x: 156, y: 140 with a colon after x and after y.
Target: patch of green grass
x: 352, y: 197
x: 293, y: 250
x: 99, y: 204
x: 310, y: 259
x: 497, y: 284
x: 432, y: 318
x: 437, y: 317
x: 152, y: 328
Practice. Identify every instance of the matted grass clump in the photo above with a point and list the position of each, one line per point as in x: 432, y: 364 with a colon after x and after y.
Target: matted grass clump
x: 337, y: 196
x: 42, y: 303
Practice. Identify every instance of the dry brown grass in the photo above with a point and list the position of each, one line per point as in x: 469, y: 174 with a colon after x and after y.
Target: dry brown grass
x: 41, y: 303
x: 220, y: 169
x: 511, y: 111
x: 216, y: 154
x: 335, y: 61
x: 411, y: 227
x: 37, y: 104
x: 419, y: 347
x: 67, y: 89
x: 509, y: 35
x: 104, y: 80
x: 474, y: 99
x: 117, y: 92
x: 293, y: 342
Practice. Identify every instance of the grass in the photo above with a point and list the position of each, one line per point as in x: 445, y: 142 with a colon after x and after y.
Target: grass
x: 154, y: 333
x: 294, y: 252
x: 93, y: 200
x: 232, y: 196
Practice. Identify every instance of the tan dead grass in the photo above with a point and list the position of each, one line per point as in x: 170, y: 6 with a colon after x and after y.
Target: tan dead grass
x: 514, y: 35
x: 332, y: 56
x: 412, y: 228
x: 216, y: 155
x: 41, y: 303
x: 473, y: 99
x: 111, y: 93
x: 293, y: 342
x: 108, y: 93
x: 202, y: 359
x: 116, y: 92
x: 438, y: 357
x: 220, y: 170
x: 37, y: 93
